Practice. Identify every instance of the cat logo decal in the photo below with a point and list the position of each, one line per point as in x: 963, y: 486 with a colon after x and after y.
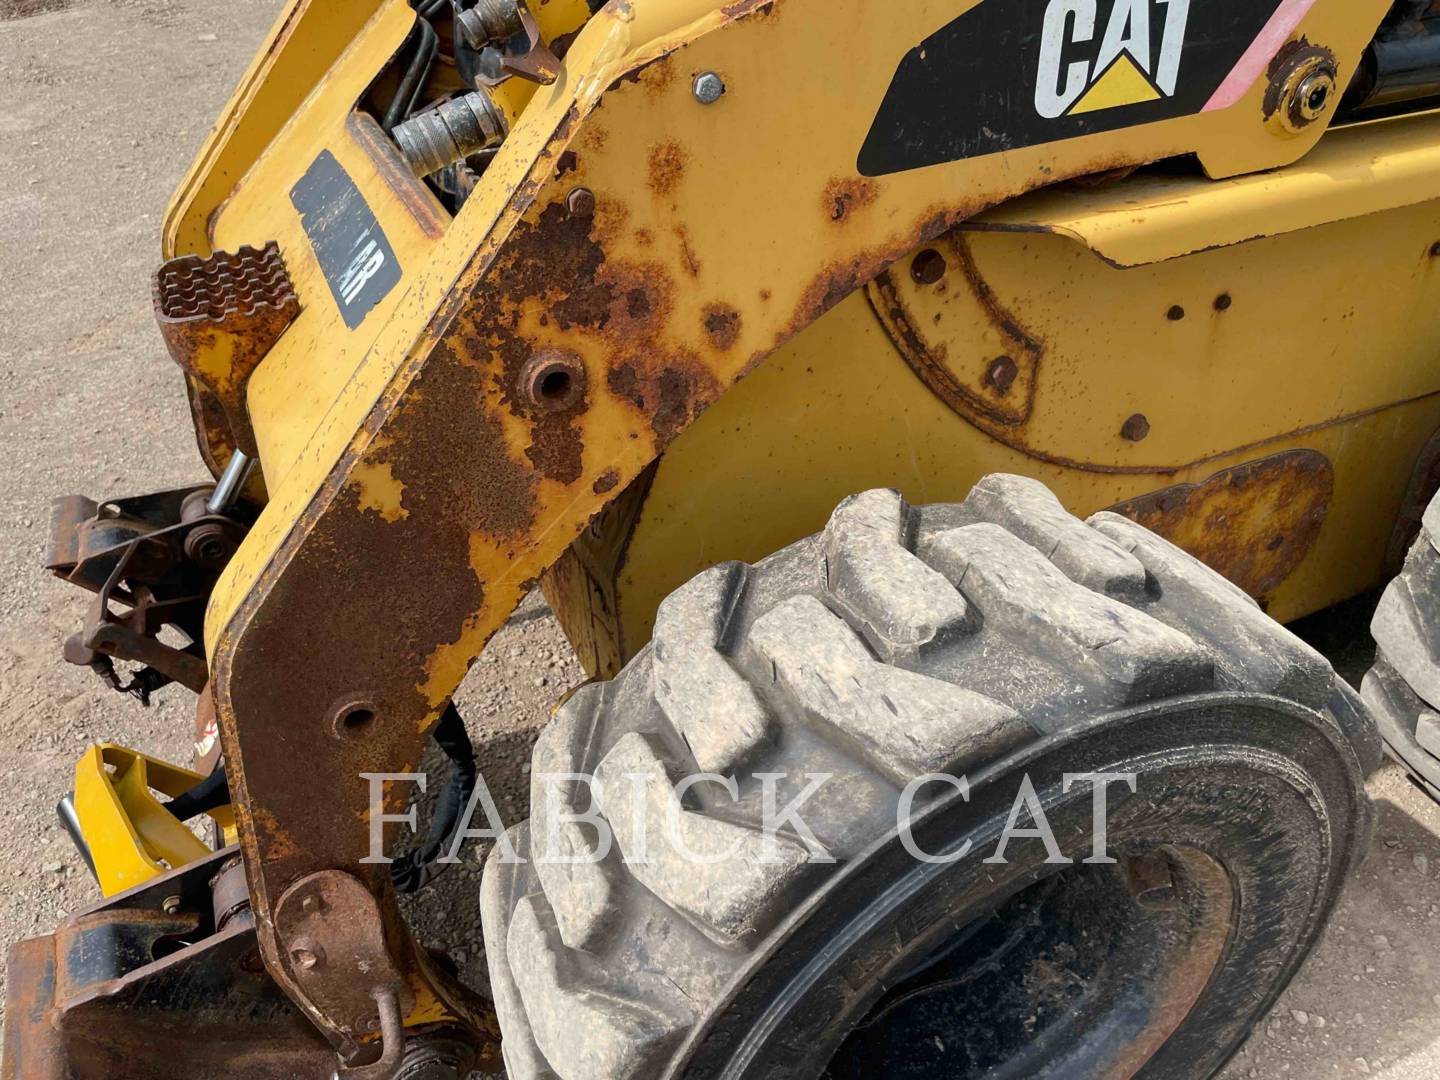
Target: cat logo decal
x: 1008, y: 74
x: 1085, y: 67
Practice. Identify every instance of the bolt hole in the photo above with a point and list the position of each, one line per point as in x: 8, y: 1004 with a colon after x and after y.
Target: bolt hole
x: 1176, y: 313
x: 355, y: 720
x: 1223, y: 302
x: 555, y: 385
x: 1317, y: 99
x: 553, y: 381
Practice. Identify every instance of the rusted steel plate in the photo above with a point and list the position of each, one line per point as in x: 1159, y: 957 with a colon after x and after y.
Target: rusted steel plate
x: 1253, y: 523
x: 336, y: 940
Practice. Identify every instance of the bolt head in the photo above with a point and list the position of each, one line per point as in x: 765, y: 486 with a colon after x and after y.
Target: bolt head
x: 708, y: 87
x: 1313, y: 95
x: 581, y: 202
x: 170, y: 905
x: 1303, y: 90
x: 1001, y: 374
x: 305, y: 959
x: 1135, y: 428
x: 928, y: 267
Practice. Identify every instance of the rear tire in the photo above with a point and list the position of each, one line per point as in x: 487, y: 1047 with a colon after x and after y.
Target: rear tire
x: 1001, y: 639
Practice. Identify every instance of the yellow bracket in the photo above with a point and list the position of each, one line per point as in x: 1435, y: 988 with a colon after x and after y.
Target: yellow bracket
x: 132, y: 837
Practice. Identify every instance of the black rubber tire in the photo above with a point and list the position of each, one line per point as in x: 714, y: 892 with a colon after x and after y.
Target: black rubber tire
x: 1403, y: 688
x: 998, y: 638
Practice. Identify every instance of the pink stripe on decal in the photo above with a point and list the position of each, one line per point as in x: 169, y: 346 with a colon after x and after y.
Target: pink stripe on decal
x: 1261, y: 51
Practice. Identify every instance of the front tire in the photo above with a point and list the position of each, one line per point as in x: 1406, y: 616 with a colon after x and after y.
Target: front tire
x: 1403, y: 688
x: 1000, y: 639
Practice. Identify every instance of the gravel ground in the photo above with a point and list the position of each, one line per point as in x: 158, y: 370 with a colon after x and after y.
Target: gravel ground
x: 101, y: 107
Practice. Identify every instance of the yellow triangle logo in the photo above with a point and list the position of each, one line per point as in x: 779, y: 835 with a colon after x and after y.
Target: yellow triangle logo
x: 1122, y: 84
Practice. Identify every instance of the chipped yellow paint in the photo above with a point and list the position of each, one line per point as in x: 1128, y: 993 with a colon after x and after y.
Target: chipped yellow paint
x: 378, y: 490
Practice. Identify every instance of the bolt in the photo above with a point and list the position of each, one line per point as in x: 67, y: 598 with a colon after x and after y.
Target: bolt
x: 1176, y: 313
x: 581, y: 202
x: 928, y: 267
x: 708, y: 88
x: 1135, y: 428
x: 1223, y: 302
x: 170, y: 905
x: 1312, y: 95
x: 1150, y: 880
x: 1001, y: 374
x: 1302, y: 89
x: 307, y: 959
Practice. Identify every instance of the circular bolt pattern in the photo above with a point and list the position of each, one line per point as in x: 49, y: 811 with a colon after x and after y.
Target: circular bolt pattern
x: 708, y: 88
x: 1001, y: 374
x: 928, y: 267
x: 581, y: 202
x: 1135, y: 428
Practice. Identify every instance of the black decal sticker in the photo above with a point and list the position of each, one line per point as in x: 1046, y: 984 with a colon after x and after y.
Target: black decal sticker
x: 350, y: 246
x: 1014, y: 73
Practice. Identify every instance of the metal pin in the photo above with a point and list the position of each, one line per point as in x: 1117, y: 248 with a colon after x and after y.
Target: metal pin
x: 65, y: 808
x: 230, y: 484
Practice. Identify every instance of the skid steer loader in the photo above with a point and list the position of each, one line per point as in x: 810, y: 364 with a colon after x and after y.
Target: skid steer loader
x: 942, y: 720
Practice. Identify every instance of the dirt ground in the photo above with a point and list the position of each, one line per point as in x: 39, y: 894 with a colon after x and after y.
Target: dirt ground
x: 102, y: 105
